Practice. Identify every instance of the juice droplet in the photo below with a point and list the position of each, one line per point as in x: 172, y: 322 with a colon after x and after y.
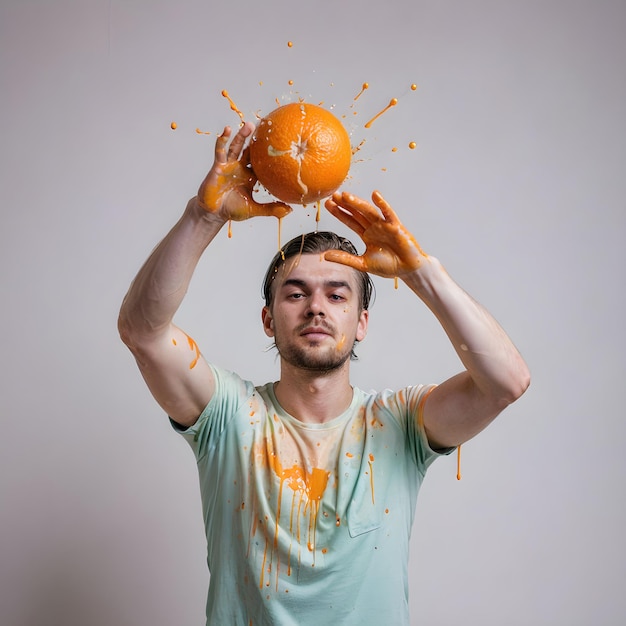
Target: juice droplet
x: 230, y: 229
x: 318, y: 213
x: 395, y: 282
x: 173, y: 125
x: 290, y: 44
x: 392, y: 103
x: 363, y: 88
x: 458, y: 463
x: 233, y: 106
x: 412, y: 145
x: 291, y: 82
x: 357, y: 148
x: 394, y: 149
x: 202, y: 132
x: 413, y: 87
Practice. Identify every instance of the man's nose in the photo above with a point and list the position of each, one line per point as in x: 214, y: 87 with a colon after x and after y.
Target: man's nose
x: 316, y: 305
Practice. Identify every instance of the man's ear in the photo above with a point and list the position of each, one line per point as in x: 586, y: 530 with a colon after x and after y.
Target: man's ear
x: 268, y: 321
x: 361, y: 330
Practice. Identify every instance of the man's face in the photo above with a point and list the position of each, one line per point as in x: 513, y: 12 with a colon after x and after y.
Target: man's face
x: 314, y: 317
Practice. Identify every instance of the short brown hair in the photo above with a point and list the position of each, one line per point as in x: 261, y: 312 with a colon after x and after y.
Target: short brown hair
x: 313, y: 243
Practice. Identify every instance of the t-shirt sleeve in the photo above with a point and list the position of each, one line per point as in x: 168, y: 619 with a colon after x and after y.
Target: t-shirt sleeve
x: 407, y: 406
x: 424, y: 454
x: 231, y: 392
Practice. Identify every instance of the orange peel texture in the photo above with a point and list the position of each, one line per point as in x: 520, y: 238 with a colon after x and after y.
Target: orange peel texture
x: 300, y: 153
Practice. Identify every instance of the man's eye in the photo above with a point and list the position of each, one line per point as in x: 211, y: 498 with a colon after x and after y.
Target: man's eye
x: 336, y: 297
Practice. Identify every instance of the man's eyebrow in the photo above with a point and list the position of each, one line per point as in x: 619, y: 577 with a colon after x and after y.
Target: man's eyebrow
x: 300, y: 282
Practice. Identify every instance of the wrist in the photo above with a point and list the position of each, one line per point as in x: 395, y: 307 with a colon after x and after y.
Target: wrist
x: 199, y: 211
x: 428, y: 279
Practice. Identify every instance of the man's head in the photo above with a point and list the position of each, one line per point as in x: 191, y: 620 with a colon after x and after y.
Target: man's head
x: 316, y: 243
x: 331, y: 296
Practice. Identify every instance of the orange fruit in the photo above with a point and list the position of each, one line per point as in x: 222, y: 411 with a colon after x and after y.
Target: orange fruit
x: 300, y: 152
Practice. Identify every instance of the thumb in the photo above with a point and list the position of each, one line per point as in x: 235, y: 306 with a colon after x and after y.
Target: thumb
x: 345, y: 258
x: 270, y: 209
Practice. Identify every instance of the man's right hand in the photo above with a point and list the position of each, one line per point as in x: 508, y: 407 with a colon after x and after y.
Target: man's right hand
x: 226, y: 192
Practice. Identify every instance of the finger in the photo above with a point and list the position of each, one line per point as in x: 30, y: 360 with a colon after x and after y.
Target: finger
x: 238, y: 142
x: 270, y: 209
x: 343, y: 216
x: 388, y: 213
x: 220, y: 145
x: 345, y: 258
x: 361, y: 209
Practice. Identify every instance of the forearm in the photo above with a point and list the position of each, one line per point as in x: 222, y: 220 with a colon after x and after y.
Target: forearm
x: 162, y: 282
x: 494, y: 364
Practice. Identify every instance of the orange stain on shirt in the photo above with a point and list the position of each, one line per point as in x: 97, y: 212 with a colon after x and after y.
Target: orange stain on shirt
x: 308, y: 489
x: 371, y: 466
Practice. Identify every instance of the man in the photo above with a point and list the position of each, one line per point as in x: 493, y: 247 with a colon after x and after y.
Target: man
x: 308, y: 484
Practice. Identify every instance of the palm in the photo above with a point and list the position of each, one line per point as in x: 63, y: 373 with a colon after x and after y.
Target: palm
x: 227, y: 189
x: 390, y: 249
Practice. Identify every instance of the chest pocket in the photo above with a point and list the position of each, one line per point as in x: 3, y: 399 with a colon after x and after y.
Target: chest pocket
x: 364, y: 513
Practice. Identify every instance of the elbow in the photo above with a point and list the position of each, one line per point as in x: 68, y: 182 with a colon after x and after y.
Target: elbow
x: 124, y: 329
x: 517, y: 386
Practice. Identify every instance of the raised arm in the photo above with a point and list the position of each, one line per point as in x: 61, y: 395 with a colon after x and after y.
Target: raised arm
x: 169, y: 360
x: 495, y: 373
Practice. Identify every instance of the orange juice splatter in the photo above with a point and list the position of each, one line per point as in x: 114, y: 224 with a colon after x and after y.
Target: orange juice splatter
x: 357, y: 148
x: 341, y: 342
x: 349, y: 455
x: 230, y: 229
x: 412, y: 145
x: 369, y: 462
x: 233, y: 106
x: 290, y: 44
x: 392, y: 103
x: 173, y: 125
x: 291, y: 82
x: 413, y: 87
x: 458, y: 463
x: 174, y: 341
x: 318, y: 213
x: 395, y: 282
x: 194, y: 347
x: 202, y: 132
x: 363, y: 88
x: 394, y: 149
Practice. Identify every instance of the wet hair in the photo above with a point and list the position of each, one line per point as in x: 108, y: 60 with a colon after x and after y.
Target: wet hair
x: 315, y: 243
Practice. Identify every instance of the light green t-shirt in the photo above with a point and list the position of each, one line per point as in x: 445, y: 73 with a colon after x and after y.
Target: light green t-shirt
x: 308, y: 523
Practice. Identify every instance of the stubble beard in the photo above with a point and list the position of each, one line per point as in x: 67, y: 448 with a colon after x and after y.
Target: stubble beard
x: 314, y: 358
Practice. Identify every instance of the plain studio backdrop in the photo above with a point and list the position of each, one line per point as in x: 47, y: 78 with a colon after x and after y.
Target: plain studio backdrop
x: 517, y: 183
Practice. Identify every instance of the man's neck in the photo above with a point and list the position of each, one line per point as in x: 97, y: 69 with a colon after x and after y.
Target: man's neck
x: 314, y: 397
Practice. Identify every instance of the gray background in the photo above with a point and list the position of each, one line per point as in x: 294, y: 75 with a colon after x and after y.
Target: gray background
x: 517, y: 184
